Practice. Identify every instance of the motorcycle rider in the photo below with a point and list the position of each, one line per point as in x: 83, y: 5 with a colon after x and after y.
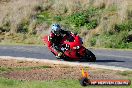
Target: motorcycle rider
x: 55, y: 37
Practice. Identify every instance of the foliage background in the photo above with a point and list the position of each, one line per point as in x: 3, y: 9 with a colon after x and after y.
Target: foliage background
x: 101, y: 23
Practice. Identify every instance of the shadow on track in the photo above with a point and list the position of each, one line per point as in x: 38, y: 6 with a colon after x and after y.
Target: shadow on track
x: 101, y: 61
x: 109, y: 61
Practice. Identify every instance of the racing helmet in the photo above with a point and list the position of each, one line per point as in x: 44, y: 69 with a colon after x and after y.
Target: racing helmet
x: 56, y: 29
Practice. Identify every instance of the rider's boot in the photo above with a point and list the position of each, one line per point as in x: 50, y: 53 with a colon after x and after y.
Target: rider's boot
x: 58, y: 56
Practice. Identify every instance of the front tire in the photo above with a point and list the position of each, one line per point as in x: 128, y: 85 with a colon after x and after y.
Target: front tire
x: 90, y: 56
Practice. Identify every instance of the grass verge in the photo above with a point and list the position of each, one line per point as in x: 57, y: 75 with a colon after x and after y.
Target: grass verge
x: 8, y: 83
x: 8, y: 69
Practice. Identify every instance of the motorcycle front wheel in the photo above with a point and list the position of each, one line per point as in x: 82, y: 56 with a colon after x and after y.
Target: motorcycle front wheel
x: 90, y: 56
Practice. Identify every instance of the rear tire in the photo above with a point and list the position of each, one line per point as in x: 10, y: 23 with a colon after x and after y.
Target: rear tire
x: 66, y: 59
x: 90, y: 56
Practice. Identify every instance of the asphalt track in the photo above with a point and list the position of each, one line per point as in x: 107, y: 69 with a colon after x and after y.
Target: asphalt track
x: 118, y: 58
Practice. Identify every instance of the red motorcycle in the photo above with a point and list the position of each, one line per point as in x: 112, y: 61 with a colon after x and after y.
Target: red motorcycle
x: 72, y: 49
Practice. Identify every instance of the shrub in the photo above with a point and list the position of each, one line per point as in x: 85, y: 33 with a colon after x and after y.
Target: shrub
x: 129, y: 38
x: 126, y: 26
x: 5, y: 27
x: 23, y: 27
x: 91, y: 25
x: 86, y: 18
x: 39, y: 8
x: 78, y: 19
x: 93, y: 42
x: 90, y: 12
x: 117, y: 40
x: 57, y: 18
x: 42, y: 17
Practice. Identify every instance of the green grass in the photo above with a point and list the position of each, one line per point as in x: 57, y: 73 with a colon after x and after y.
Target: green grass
x: 4, y: 69
x: 125, y: 73
x: 30, y: 68
x: 116, y: 40
x: 8, y: 83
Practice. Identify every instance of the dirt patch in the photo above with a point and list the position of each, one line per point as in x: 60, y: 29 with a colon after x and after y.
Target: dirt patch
x: 45, y: 74
x: 51, y: 72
